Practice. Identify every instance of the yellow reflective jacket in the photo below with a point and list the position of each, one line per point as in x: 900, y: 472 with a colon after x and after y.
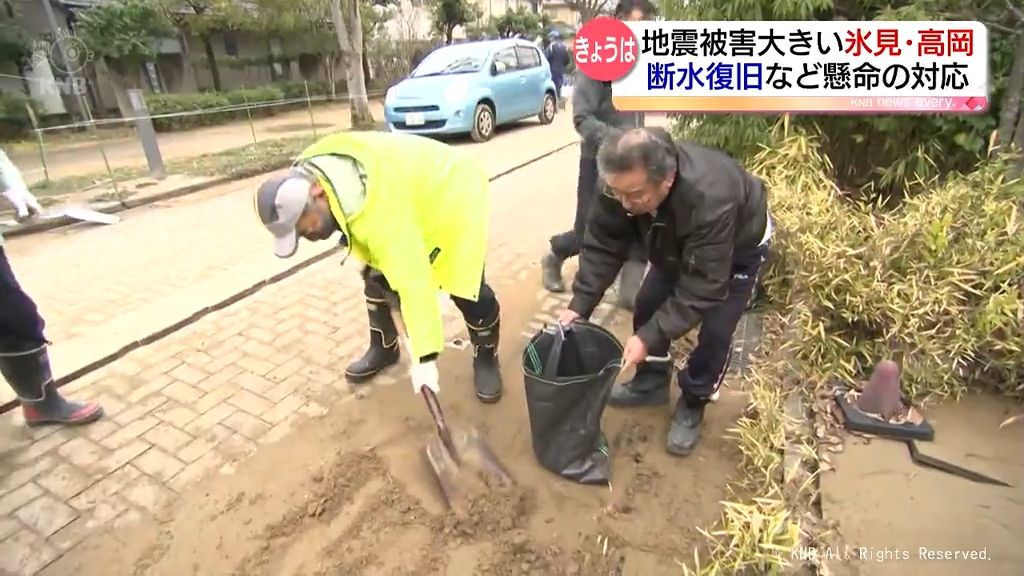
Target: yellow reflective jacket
x: 422, y: 199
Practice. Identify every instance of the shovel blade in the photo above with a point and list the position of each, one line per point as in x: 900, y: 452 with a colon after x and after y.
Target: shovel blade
x: 90, y: 215
x: 474, y: 468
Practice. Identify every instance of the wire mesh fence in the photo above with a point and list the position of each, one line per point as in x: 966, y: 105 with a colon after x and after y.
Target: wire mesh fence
x: 104, y: 152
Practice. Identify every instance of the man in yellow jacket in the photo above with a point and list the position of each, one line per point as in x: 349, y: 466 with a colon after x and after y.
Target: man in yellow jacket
x: 415, y: 212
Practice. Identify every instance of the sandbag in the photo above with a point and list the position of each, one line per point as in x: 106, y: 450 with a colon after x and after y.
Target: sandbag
x: 568, y: 374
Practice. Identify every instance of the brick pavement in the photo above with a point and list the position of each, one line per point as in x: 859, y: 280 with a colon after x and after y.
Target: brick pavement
x: 209, y: 395
x: 102, y: 288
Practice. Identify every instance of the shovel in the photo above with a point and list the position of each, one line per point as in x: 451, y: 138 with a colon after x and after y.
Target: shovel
x: 461, y: 461
x: 79, y: 213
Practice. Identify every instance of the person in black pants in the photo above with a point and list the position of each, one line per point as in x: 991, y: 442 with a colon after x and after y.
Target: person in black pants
x: 559, y: 60
x: 594, y: 115
x: 24, y: 361
x: 706, y: 231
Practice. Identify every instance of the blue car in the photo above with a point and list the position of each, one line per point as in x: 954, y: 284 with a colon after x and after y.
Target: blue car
x: 473, y: 88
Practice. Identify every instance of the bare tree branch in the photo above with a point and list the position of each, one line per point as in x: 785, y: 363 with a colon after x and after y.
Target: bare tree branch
x: 1017, y: 12
x: 588, y: 9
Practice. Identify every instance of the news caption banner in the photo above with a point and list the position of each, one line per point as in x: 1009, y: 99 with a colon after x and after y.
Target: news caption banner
x: 789, y: 66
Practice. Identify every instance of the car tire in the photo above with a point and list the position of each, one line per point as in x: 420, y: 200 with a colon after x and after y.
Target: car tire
x: 548, y: 109
x: 483, y: 123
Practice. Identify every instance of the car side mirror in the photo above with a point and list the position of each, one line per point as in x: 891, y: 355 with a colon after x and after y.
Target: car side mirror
x: 497, y: 68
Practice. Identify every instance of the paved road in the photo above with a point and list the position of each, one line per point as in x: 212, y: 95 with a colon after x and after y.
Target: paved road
x: 214, y: 392
x: 102, y: 288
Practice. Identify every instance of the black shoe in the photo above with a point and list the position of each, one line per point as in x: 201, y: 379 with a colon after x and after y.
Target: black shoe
x: 649, y: 387
x: 630, y: 279
x: 684, y: 429
x: 28, y: 373
x: 551, y: 267
x: 383, y: 351
x: 486, y: 370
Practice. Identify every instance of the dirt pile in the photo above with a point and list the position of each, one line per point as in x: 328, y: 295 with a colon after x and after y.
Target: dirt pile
x: 321, y: 502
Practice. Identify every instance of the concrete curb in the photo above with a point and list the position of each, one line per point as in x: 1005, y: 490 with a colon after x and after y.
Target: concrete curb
x: 195, y: 317
x: 114, y: 206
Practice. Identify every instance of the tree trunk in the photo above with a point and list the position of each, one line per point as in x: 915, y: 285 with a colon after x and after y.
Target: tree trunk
x: 362, y: 118
x: 328, y: 64
x: 119, y: 85
x: 352, y: 51
x: 211, y: 62
x: 187, y: 68
x: 1018, y: 170
x: 1011, y: 105
x: 1018, y: 139
x: 367, y: 75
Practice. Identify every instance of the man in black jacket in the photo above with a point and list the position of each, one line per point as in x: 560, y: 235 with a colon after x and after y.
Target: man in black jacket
x: 706, y: 232
x: 558, y: 59
x: 594, y: 116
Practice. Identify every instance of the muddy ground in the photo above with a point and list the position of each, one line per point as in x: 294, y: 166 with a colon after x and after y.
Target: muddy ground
x: 350, y: 493
x: 896, y: 517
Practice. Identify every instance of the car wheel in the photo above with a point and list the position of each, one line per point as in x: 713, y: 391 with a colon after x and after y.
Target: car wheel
x: 483, y: 123
x: 548, y: 109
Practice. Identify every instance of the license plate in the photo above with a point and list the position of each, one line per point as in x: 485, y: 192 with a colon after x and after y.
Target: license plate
x: 414, y: 119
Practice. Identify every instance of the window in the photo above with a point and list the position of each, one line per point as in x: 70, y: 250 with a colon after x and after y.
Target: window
x: 528, y: 57
x: 230, y: 45
x: 506, y: 57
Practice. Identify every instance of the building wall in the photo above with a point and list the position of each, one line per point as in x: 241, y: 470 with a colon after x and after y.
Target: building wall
x: 411, y: 21
x: 562, y: 13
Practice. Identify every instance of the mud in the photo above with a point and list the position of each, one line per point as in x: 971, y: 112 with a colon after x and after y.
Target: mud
x: 352, y: 493
x: 895, y: 517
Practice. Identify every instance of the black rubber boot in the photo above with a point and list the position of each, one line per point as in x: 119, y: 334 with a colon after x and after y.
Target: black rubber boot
x: 684, y: 429
x: 630, y: 278
x: 551, y: 266
x: 649, y: 387
x: 486, y: 371
x: 383, y: 351
x: 28, y: 373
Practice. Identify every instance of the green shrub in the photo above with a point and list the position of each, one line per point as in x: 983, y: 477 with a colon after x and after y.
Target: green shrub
x: 187, y: 102
x: 15, y: 123
x: 214, y: 103
x: 254, y: 95
x: 293, y: 89
x: 935, y: 285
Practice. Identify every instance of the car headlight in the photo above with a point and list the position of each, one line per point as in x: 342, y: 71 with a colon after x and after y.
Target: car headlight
x: 389, y: 96
x: 456, y: 91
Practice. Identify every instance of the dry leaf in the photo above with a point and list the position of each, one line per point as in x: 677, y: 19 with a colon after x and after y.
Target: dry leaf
x: 1010, y: 420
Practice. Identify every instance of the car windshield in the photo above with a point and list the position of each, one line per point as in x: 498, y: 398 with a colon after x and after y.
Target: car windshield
x: 451, y: 60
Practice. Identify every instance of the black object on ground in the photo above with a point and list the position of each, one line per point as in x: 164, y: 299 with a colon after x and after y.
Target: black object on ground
x: 858, y: 421
x: 908, y: 433
x: 569, y: 374
x: 932, y: 462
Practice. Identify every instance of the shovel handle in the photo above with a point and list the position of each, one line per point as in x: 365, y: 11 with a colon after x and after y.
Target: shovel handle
x: 442, y: 426
x: 432, y: 404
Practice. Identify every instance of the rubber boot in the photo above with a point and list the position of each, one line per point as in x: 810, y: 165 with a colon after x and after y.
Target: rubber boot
x: 551, y: 267
x: 383, y: 351
x: 630, y: 279
x: 649, y: 387
x: 29, y: 374
x: 486, y: 371
x: 684, y: 429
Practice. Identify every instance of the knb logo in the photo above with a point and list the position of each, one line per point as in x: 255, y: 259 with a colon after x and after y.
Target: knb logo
x: 66, y: 54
